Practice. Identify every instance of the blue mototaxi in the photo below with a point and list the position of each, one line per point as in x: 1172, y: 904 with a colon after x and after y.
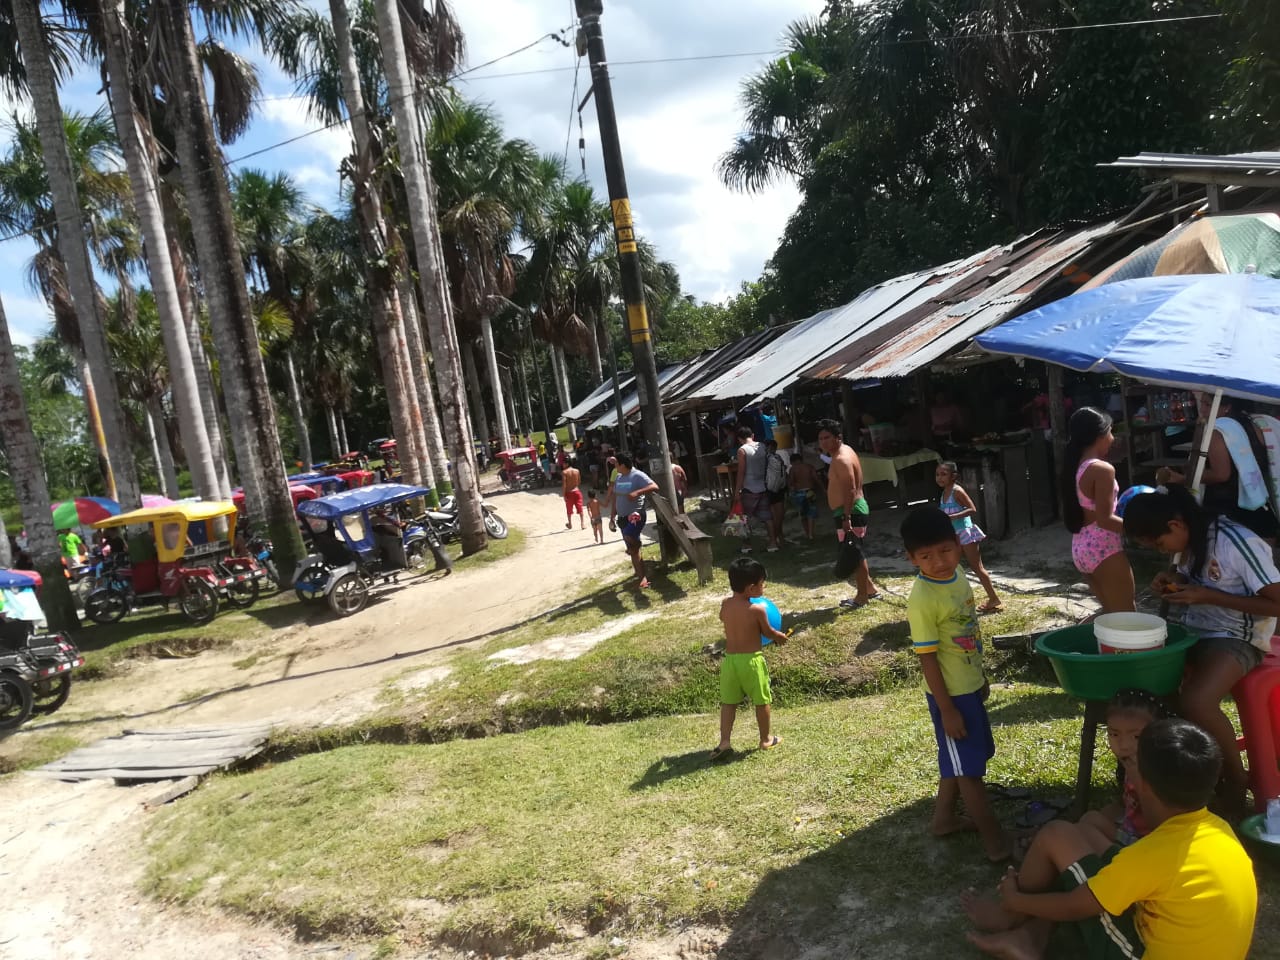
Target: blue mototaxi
x: 358, y: 543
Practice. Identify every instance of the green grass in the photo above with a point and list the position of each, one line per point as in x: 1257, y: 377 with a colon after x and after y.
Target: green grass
x: 658, y: 665
x: 497, y: 550
x: 507, y: 843
x: 35, y: 751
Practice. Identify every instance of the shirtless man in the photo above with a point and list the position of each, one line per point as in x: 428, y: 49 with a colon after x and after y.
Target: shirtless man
x: 849, y: 508
x: 570, y: 480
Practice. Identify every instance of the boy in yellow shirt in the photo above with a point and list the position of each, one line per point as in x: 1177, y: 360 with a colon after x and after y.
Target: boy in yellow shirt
x: 1185, y: 891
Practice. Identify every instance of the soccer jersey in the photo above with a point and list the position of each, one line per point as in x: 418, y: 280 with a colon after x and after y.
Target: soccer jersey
x: 1238, y: 563
x: 1192, y: 886
x: 71, y: 545
x: 944, y: 621
x: 627, y: 502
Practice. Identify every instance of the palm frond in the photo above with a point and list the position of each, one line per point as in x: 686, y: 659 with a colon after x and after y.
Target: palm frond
x: 235, y: 87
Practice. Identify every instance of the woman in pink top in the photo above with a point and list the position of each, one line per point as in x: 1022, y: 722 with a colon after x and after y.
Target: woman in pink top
x: 1089, y: 510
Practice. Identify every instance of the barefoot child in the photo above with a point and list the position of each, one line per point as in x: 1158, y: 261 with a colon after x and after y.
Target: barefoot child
x: 743, y: 671
x: 803, y: 482
x: 1230, y: 588
x: 570, y: 480
x: 958, y: 505
x: 1128, y: 714
x: 944, y: 632
x: 593, y: 511
x: 1186, y: 891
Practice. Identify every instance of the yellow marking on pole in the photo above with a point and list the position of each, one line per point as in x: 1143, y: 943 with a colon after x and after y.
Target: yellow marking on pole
x: 638, y: 322
x: 621, y: 213
x: 628, y: 247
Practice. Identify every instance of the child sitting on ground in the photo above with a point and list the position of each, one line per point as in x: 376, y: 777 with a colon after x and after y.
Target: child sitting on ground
x: 1186, y: 891
x: 944, y: 632
x: 1128, y: 714
x: 743, y: 671
x: 593, y: 511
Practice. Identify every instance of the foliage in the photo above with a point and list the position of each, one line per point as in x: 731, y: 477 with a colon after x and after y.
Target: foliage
x: 690, y: 327
x: 1254, y: 80
x: 918, y: 129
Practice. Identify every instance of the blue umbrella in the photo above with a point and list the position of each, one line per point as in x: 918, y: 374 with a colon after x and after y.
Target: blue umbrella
x: 1195, y: 332
x: 1219, y: 333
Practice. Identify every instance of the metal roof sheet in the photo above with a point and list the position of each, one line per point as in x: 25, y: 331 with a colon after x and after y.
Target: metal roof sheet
x: 713, y: 364
x: 599, y: 396
x: 995, y: 290
x: 1262, y: 161
x: 631, y: 402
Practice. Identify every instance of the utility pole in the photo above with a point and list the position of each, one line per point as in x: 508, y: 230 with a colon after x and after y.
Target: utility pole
x: 655, y: 428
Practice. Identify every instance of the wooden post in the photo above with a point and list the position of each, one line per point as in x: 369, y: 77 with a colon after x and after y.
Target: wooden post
x: 1058, y: 423
x: 697, y: 447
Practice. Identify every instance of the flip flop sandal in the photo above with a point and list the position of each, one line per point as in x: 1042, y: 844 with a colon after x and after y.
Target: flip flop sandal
x: 773, y: 742
x: 1008, y: 792
x: 1037, y: 813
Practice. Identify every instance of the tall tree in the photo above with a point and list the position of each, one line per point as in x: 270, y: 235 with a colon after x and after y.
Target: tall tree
x: 37, y: 59
x: 244, y: 378
x: 27, y: 470
x: 143, y: 179
x: 435, y: 294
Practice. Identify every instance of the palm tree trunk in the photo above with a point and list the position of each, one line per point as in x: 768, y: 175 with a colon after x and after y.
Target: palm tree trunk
x: 299, y: 415
x: 244, y: 378
x: 6, y: 554
x: 165, y: 466
x: 146, y: 203
x: 597, y: 361
x: 479, y: 416
x: 27, y: 470
x: 336, y: 449
x: 435, y: 464
x: 435, y: 296
x: 495, y: 382
x: 122, y: 476
x: 209, y: 406
x: 342, y: 433
x: 373, y: 235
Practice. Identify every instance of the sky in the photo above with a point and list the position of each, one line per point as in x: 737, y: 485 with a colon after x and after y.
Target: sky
x: 675, y: 120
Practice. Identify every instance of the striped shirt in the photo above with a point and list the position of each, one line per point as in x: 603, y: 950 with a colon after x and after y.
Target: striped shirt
x: 1239, y: 563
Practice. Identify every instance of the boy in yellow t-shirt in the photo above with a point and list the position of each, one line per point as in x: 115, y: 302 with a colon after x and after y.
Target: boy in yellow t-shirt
x: 1185, y: 891
x: 944, y: 632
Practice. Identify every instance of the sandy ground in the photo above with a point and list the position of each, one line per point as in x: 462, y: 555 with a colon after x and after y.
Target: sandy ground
x: 69, y: 857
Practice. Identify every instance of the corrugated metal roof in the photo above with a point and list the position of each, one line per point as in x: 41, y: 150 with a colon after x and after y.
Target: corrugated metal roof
x: 631, y: 402
x: 1001, y: 286
x: 712, y: 364
x: 1260, y: 162
x: 769, y: 371
x: 598, y: 397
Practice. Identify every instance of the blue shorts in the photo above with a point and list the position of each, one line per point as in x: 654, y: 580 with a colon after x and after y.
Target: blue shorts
x: 632, y: 531
x: 967, y: 757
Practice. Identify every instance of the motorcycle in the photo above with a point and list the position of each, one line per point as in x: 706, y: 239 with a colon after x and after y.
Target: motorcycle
x: 35, y: 668
x: 55, y: 656
x: 445, y: 519
x: 260, y: 549
x: 18, y: 674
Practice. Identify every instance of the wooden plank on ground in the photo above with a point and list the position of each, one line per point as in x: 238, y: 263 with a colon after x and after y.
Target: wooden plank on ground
x: 179, y: 789
x: 160, y: 754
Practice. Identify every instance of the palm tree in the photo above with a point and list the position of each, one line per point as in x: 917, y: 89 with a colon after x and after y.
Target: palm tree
x: 431, y: 275
x: 39, y: 61
x: 269, y: 211
x: 488, y: 188
x: 27, y: 468
x: 140, y: 160
x: 244, y: 377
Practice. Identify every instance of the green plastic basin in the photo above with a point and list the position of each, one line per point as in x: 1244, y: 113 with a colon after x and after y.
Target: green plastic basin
x: 1089, y: 675
x: 1251, y: 830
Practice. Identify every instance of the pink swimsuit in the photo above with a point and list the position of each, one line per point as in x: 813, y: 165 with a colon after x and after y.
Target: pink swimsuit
x: 1092, y: 544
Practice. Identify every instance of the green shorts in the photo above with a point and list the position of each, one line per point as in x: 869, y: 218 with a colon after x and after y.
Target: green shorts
x: 1106, y: 937
x: 744, y: 674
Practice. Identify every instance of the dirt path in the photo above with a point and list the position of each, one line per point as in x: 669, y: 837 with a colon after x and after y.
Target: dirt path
x: 69, y: 853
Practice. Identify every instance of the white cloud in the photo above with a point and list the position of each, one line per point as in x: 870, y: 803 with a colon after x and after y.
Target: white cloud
x: 675, y: 119
x: 29, y: 317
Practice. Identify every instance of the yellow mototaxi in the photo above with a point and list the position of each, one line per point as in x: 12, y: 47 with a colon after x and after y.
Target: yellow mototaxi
x: 188, y: 556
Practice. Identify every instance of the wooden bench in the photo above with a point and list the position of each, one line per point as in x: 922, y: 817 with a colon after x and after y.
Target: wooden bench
x: 678, y: 534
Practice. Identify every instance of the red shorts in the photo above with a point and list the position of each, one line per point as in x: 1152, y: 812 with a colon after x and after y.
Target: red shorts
x: 572, y: 500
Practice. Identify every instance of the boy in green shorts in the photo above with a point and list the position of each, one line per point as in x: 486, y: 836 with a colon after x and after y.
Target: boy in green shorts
x: 743, y: 671
x: 1185, y: 891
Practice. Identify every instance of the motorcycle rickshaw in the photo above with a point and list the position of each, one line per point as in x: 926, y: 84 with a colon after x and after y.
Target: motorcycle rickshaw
x: 323, y: 483
x: 192, y: 563
x: 390, y: 472
x: 521, y: 469
x: 53, y: 655
x: 359, y: 545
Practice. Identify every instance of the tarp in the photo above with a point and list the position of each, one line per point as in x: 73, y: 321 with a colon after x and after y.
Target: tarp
x: 362, y: 498
x: 1220, y: 331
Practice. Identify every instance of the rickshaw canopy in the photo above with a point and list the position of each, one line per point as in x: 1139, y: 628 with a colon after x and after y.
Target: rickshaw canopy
x: 169, y: 524
x: 18, y: 579
x: 515, y: 452
x: 337, y: 505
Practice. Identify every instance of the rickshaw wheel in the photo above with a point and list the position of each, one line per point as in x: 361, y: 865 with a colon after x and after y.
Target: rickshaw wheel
x: 495, y: 525
x: 15, y: 701
x: 243, y: 594
x: 416, y: 556
x: 106, y: 606
x: 349, y: 595
x: 314, y: 578
x: 198, y: 600
x: 48, y: 695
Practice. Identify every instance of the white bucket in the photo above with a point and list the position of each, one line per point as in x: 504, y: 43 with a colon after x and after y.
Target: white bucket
x: 1129, y: 632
